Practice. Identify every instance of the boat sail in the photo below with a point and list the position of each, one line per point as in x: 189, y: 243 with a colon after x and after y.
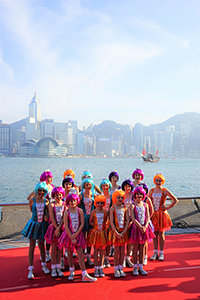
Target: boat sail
x: 150, y: 157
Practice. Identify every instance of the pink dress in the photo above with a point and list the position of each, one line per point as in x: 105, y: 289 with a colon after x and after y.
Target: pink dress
x: 58, y: 215
x: 74, y: 224
x: 136, y: 235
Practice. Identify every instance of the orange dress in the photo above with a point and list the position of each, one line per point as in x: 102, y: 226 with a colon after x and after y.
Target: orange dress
x: 160, y: 219
x: 119, y: 225
x: 98, y: 234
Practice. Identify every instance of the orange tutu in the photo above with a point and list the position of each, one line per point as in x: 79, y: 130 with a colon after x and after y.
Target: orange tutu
x: 161, y: 221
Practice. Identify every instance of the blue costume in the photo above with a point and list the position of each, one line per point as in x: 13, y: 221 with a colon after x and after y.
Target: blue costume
x: 87, y: 209
x: 34, y: 229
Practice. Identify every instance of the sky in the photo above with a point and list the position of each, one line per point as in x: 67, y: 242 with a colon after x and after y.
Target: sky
x: 126, y: 61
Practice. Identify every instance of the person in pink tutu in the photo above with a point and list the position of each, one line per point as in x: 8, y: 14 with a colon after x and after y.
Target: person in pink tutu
x: 73, y: 238
x: 56, y: 210
x: 141, y: 230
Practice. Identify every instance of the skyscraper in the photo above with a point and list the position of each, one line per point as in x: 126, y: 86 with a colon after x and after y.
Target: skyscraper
x: 35, y: 110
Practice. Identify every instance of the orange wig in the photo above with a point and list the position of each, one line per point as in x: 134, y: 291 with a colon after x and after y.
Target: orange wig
x: 69, y: 173
x: 100, y: 198
x: 159, y: 176
x: 116, y: 194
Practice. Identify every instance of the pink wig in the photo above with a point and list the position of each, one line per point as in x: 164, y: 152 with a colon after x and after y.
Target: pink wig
x: 138, y: 171
x: 72, y: 197
x: 58, y: 190
x: 140, y: 190
x: 45, y: 175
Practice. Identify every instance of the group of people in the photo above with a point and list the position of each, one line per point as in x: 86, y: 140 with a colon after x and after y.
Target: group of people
x: 115, y: 220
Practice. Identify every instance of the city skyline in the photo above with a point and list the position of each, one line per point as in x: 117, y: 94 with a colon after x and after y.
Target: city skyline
x: 93, y: 61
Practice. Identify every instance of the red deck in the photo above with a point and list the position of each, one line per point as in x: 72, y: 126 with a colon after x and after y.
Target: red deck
x: 177, y: 277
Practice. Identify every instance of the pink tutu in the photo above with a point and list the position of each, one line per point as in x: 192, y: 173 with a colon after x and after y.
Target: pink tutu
x: 50, y: 234
x: 138, y: 237
x: 65, y: 241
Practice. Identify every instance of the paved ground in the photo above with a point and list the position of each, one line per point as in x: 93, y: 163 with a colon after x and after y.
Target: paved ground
x: 19, y: 241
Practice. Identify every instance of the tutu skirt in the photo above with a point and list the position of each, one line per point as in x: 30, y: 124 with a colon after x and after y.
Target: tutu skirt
x: 86, y: 226
x: 97, y: 238
x: 35, y: 230
x: 139, y: 237
x: 65, y: 241
x: 50, y: 235
x: 113, y: 240
x: 161, y: 221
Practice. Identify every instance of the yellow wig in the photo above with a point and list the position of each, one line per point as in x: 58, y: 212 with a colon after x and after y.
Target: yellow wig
x: 116, y: 194
x: 160, y: 176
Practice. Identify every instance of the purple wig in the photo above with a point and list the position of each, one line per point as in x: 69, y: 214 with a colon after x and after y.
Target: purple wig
x: 127, y: 182
x: 138, y: 171
x: 68, y: 179
x: 144, y: 186
x: 114, y: 173
x: 45, y: 175
x: 140, y: 190
x: 72, y: 197
x: 58, y: 190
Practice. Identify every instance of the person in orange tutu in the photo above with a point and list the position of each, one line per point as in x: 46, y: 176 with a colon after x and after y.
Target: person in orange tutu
x: 118, y: 235
x: 160, y: 218
x: 98, y: 234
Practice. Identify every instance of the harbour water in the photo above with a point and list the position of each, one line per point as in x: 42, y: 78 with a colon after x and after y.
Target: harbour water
x: 19, y: 175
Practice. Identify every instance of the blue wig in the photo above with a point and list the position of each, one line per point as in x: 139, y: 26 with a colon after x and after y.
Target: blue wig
x: 87, y: 180
x: 41, y: 186
x: 86, y: 174
x: 105, y: 181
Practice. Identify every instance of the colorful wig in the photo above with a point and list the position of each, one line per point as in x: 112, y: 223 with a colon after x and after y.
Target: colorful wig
x: 86, y: 174
x: 127, y: 182
x: 41, y: 186
x: 138, y: 171
x: 68, y: 179
x: 144, y: 186
x: 58, y: 190
x: 69, y: 173
x: 45, y: 175
x: 114, y: 173
x: 105, y: 181
x: 87, y: 180
x: 140, y: 190
x: 100, y: 198
x: 160, y: 176
x: 116, y: 194
x: 72, y: 197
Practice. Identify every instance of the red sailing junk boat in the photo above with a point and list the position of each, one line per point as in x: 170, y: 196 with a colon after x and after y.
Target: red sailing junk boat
x: 150, y: 157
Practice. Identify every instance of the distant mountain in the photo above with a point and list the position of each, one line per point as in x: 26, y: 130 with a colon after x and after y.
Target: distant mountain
x: 17, y: 125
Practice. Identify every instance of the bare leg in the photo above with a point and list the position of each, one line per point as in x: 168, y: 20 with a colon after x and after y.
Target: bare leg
x: 31, y: 251
x: 96, y: 263
x: 135, y: 250
x: 70, y: 258
x: 141, y: 253
x: 121, y: 254
x: 79, y: 251
x: 42, y: 251
x: 101, y: 259
x: 128, y: 249
x: 116, y: 256
x: 53, y: 253
x: 155, y: 240
x: 162, y: 239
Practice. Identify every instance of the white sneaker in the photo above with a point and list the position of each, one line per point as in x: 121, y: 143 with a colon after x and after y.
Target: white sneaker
x: 89, y: 261
x: 101, y: 273
x: 47, y: 256
x: 88, y: 278
x: 45, y: 269
x: 96, y: 273
x: 117, y: 274
x: 161, y: 257
x: 53, y: 273
x: 62, y: 263
x: 154, y: 256
x: 135, y: 272
x: 129, y: 262
x: 71, y: 276
x: 124, y: 263
x: 60, y: 273
x: 145, y: 261
x: 30, y: 274
x: 122, y: 274
x: 142, y: 272
x: 106, y: 263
